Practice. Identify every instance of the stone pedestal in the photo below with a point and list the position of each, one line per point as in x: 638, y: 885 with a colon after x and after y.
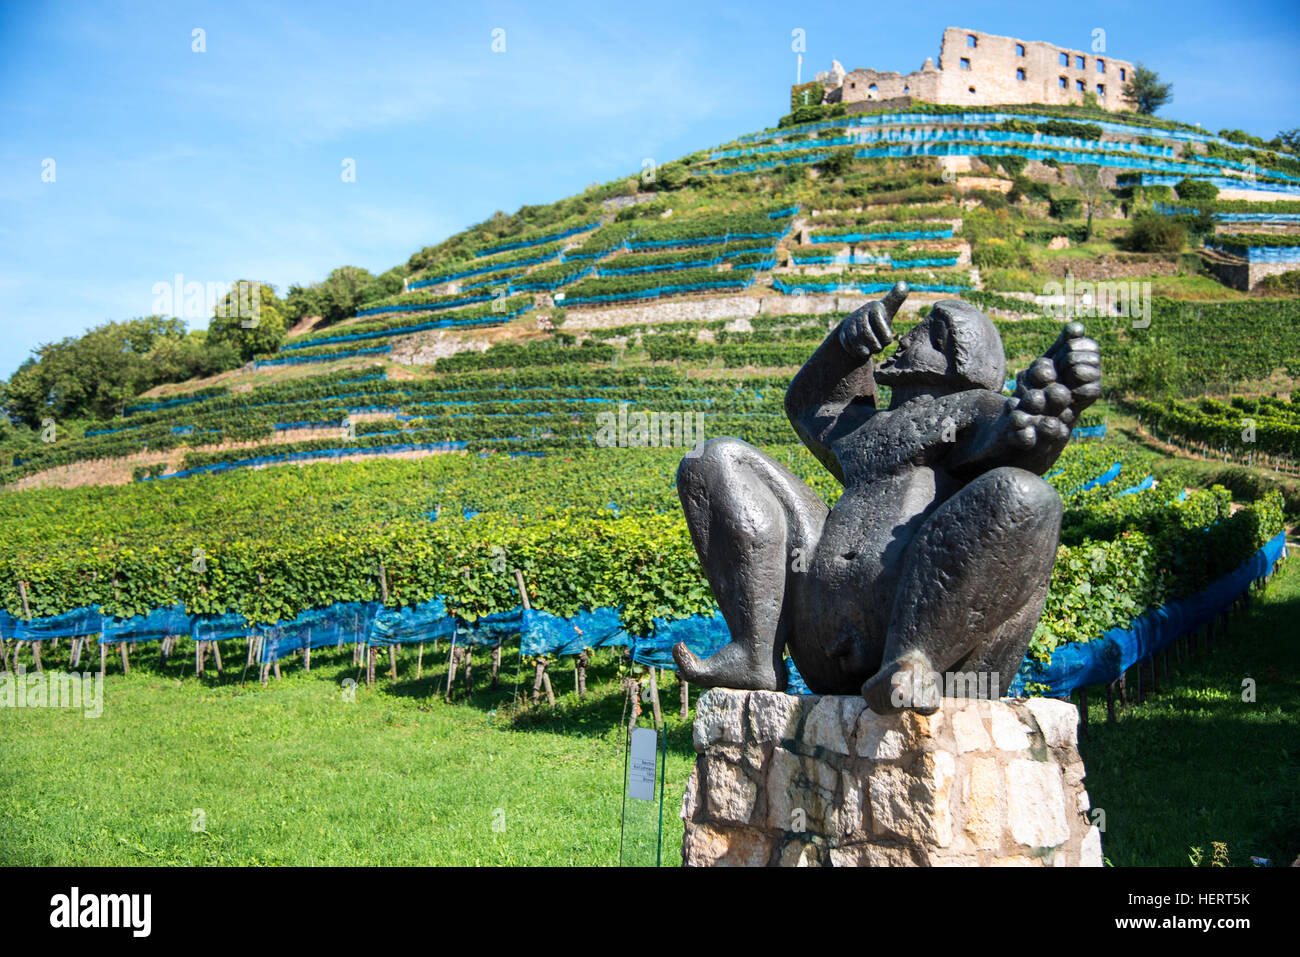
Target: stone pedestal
x: 823, y: 781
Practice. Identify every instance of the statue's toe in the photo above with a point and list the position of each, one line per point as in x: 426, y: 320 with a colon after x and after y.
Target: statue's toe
x: 905, y: 684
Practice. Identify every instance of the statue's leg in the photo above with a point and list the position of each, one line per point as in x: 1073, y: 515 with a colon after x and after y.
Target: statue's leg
x: 751, y: 519
x: 972, y: 588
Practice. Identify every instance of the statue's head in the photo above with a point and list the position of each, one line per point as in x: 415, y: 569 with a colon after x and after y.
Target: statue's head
x: 955, y: 346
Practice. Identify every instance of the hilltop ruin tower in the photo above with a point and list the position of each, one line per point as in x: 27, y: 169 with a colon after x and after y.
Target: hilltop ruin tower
x: 983, y: 69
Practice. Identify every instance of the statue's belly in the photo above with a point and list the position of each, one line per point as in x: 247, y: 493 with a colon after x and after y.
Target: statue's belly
x: 843, y: 603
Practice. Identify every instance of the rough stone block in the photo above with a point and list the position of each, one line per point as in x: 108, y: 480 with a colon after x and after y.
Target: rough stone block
x: 818, y: 781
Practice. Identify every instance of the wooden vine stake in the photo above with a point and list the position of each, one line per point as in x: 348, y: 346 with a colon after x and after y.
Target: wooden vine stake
x: 654, y: 698
x: 36, y: 645
x: 540, y: 678
x: 684, y: 689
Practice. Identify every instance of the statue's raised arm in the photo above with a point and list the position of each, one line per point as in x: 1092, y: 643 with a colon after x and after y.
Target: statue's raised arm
x: 835, y: 391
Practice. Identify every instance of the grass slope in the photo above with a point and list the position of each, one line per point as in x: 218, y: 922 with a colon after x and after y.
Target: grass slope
x: 295, y: 774
x: 1195, y: 765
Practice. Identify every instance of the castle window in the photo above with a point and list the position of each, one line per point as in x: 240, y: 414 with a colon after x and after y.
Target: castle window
x: 1078, y: 85
x: 907, y: 89
x: 970, y: 89
x: 1121, y: 74
x: 1065, y: 59
x: 1101, y: 89
x: 1020, y: 74
x: 1101, y: 66
x: 1062, y: 82
x: 1020, y: 49
x: 965, y: 63
x: 971, y: 41
x: 872, y: 92
x: 1080, y: 63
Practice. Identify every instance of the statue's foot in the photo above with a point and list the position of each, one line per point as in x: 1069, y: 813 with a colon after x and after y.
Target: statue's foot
x: 905, y: 684
x: 732, y: 666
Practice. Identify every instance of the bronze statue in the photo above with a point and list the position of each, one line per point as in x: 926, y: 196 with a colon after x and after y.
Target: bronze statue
x: 938, y: 556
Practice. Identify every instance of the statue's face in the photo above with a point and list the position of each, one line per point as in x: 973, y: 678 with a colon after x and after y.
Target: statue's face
x: 925, y: 356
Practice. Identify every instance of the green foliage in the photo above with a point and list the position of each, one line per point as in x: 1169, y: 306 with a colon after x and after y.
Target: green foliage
x: 806, y: 94
x: 1190, y: 190
x: 1283, y: 284
x: 341, y: 294
x: 248, y: 335
x: 94, y: 374
x: 1155, y: 234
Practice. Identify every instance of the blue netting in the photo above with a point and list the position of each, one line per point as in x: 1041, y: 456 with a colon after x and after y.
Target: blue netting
x: 1167, y: 209
x: 1104, y: 659
x: 542, y: 241
x: 799, y: 289
x: 318, y: 628
x: 492, y: 629
x: 152, y: 626
x: 79, y: 621
x: 945, y: 233
x: 1257, y: 254
x: 1086, y: 431
x: 1103, y: 479
x: 428, y: 621
x: 544, y: 633
x: 311, y: 456
x: 329, y: 357
x: 220, y: 627
x: 656, y: 291
x: 425, y: 306
x: 480, y: 270
x: 402, y: 330
x: 703, y: 634
x: 1146, y: 483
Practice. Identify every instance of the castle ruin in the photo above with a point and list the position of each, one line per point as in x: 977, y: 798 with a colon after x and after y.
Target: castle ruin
x: 983, y: 69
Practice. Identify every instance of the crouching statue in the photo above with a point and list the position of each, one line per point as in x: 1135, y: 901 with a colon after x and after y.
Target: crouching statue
x: 937, y: 557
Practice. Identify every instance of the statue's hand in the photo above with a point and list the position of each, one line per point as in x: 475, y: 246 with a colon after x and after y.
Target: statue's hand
x: 867, y: 330
x: 1052, y: 393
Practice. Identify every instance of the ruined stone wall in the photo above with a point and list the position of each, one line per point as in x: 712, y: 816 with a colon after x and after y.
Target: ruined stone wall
x: 986, y: 74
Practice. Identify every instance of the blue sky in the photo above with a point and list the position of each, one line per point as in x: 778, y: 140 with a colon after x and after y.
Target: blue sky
x: 226, y: 163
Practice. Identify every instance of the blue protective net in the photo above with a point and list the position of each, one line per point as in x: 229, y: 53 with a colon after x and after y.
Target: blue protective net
x: 220, y: 627
x: 79, y: 621
x: 544, y: 633
x: 318, y: 628
x: 153, y: 626
x: 1102, y: 660
x: 427, y: 621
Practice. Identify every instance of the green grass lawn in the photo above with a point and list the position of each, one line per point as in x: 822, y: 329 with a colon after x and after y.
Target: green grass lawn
x: 294, y: 774
x: 1195, y: 764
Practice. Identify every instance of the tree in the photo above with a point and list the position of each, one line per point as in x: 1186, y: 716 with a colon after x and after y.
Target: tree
x: 340, y: 293
x: 1288, y: 140
x: 95, y: 373
x: 1093, y: 192
x: 301, y: 302
x: 1146, y: 92
x: 249, y: 325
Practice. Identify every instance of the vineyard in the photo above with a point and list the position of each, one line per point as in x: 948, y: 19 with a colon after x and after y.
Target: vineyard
x: 484, y: 462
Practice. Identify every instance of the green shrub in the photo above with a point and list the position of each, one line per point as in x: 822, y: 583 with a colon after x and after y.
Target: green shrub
x: 1065, y: 207
x: 1191, y: 189
x: 1155, y: 234
x: 1286, y: 284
